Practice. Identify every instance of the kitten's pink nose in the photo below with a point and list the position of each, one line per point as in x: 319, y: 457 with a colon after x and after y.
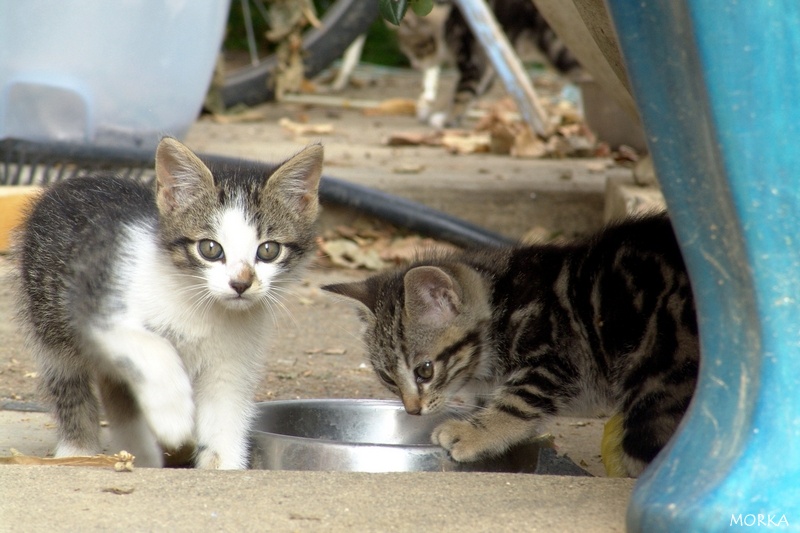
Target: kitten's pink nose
x: 240, y: 286
x: 412, y: 406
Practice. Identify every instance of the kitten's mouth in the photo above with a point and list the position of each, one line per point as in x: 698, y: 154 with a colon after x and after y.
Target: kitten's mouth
x: 237, y: 302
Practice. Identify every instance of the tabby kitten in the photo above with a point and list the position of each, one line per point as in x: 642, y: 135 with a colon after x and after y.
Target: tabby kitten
x: 427, y: 41
x: 517, y: 335
x: 161, y: 299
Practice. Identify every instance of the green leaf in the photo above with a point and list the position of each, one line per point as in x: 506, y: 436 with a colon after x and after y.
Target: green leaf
x: 393, y: 10
x: 421, y: 7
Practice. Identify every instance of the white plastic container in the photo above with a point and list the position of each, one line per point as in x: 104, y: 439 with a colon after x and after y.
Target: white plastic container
x: 112, y: 73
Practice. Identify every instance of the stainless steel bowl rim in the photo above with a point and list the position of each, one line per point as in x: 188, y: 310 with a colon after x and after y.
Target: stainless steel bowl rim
x: 339, y: 443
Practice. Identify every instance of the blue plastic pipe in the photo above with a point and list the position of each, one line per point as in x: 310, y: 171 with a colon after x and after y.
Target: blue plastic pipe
x: 717, y: 83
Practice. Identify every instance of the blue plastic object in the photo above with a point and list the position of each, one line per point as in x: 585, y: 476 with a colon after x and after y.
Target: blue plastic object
x: 717, y: 85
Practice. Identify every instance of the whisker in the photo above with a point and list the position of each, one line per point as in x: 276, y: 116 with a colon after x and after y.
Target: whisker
x: 270, y: 301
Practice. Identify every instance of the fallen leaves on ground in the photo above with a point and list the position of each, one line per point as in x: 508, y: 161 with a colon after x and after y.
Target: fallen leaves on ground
x: 370, y: 248
x: 455, y: 141
x: 500, y: 130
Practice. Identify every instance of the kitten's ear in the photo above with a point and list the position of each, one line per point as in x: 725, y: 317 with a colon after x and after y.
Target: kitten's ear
x: 360, y: 291
x: 180, y: 175
x: 432, y: 296
x: 296, y: 181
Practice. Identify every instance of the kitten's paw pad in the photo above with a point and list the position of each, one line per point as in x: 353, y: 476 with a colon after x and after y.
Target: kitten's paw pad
x: 465, y: 442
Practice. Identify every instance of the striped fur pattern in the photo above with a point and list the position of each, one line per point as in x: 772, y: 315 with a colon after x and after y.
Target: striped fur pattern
x: 518, y: 335
x: 430, y: 40
x: 160, y: 300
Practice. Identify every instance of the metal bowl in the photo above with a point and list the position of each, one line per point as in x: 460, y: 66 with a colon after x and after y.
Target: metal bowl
x: 362, y: 436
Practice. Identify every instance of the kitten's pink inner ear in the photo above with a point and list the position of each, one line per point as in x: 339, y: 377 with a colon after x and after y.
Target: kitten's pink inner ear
x: 432, y: 296
x: 297, y: 179
x: 179, y: 173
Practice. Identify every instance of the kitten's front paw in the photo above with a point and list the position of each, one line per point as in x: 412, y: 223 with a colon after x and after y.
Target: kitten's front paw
x: 465, y: 442
x: 424, y: 109
x: 210, y: 459
x: 439, y: 120
x: 170, y: 414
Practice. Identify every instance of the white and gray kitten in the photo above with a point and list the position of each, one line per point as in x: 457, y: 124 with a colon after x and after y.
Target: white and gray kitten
x: 160, y: 300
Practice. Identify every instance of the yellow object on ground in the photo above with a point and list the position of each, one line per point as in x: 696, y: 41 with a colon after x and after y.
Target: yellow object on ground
x: 611, y: 447
x: 14, y: 201
x: 122, y: 461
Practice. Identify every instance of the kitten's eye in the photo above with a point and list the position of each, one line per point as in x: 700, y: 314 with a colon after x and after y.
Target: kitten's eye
x: 424, y: 372
x: 211, y: 250
x: 268, y: 251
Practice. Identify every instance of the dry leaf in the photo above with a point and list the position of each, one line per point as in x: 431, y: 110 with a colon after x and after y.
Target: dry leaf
x: 306, y: 129
x: 413, y: 139
x: 466, y: 143
x: 528, y: 145
x: 626, y: 153
x: 393, y: 107
x: 501, y: 140
x: 346, y: 253
x: 410, y: 248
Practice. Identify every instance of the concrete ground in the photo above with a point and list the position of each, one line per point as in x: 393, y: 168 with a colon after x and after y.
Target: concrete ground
x: 66, y: 498
x: 509, y: 196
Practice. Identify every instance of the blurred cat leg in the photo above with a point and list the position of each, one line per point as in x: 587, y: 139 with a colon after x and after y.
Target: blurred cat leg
x: 68, y: 388
x: 129, y: 429
x: 430, y: 87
